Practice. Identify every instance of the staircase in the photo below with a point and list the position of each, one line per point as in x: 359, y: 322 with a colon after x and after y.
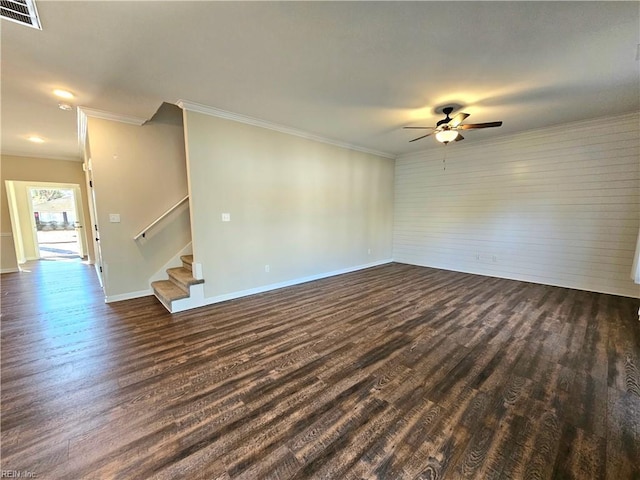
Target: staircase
x: 178, y: 287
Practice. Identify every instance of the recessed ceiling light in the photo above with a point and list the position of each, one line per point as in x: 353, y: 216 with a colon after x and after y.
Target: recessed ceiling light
x: 65, y: 106
x: 63, y: 94
x: 35, y: 139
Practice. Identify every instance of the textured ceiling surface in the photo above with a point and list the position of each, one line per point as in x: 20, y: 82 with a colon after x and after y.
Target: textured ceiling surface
x: 354, y: 72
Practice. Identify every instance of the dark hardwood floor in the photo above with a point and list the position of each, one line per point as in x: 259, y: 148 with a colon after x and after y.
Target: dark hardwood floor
x: 396, y: 372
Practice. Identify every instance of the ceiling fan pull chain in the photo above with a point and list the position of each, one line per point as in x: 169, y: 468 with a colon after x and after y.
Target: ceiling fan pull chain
x: 444, y: 159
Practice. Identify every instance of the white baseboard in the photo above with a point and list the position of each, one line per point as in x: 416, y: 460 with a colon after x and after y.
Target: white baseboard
x: 275, y: 286
x: 9, y: 270
x: 525, y: 278
x: 197, y: 298
x: 128, y: 296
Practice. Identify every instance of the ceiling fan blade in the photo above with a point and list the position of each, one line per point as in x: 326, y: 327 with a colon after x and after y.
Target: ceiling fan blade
x: 420, y: 138
x: 480, y: 125
x: 459, y: 137
x: 458, y: 119
x: 420, y: 127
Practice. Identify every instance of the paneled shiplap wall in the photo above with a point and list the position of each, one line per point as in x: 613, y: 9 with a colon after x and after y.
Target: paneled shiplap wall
x: 559, y: 206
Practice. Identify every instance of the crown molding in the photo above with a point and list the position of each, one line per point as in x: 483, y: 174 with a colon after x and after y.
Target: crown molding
x: 256, y: 122
x: 116, y: 117
x: 84, y: 113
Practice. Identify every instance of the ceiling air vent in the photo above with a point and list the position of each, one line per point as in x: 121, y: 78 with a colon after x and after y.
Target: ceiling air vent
x: 21, y: 11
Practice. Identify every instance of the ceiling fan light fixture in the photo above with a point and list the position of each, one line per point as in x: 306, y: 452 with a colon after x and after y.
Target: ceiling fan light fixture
x: 67, y: 95
x: 446, y: 136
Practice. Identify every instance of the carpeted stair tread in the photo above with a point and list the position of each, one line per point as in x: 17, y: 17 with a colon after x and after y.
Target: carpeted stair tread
x: 169, y: 291
x: 183, y: 277
x: 178, y: 286
x: 187, y: 261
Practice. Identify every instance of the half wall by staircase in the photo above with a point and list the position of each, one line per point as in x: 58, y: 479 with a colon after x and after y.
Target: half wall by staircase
x: 139, y: 171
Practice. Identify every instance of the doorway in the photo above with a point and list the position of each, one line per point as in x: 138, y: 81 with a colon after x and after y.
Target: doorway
x: 47, y: 221
x: 56, y: 222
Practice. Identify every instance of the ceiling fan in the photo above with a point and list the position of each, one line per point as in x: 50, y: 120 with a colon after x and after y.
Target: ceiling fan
x: 447, y: 129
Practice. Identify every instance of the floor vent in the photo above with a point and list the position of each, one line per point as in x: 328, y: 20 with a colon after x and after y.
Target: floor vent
x: 21, y: 11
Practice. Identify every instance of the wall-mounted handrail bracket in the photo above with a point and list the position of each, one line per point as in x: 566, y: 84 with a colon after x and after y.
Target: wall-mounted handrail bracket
x: 143, y: 232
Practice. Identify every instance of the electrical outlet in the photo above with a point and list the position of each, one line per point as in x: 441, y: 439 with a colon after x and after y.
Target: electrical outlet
x: 226, y: 217
x: 114, y: 217
x: 267, y: 268
x: 494, y: 258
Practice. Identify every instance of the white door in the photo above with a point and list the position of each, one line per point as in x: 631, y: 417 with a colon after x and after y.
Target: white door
x: 94, y: 232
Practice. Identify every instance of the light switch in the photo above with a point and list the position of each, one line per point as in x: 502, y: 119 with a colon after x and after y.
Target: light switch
x: 114, y: 217
x: 226, y: 217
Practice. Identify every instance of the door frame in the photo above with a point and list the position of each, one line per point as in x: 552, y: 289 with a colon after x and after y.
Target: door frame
x: 14, y: 214
x: 77, y: 202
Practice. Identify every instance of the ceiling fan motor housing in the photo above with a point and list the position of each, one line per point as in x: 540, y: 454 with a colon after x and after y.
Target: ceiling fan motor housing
x: 446, y: 111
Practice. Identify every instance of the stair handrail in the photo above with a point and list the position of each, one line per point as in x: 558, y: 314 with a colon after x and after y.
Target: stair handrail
x: 144, y: 231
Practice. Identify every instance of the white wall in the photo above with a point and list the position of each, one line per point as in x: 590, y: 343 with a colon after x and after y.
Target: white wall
x: 24, y: 222
x: 558, y: 206
x: 138, y: 172
x: 303, y: 207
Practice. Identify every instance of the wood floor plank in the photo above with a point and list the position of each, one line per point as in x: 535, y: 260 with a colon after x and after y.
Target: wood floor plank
x: 623, y: 435
x: 394, y: 372
x: 581, y: 455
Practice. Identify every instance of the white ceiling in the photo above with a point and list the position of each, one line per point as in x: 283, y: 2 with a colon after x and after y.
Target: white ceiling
x: 354, y: 72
